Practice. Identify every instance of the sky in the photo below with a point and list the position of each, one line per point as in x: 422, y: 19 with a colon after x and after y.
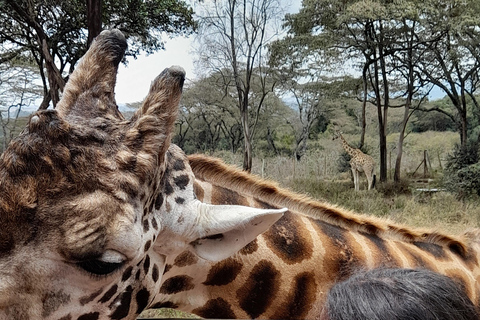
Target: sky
x: 133, y: 80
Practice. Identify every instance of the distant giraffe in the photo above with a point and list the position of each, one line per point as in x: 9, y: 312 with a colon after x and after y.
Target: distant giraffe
x: 91, y: 204
x: 359, y: 162
x: 286, y: 272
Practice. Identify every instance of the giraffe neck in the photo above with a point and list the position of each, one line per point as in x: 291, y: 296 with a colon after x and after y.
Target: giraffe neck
x: 286, y: 271
x: 348, y: 148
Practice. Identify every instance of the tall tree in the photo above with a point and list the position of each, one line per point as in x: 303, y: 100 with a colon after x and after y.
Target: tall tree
x: 94, y: 19
x: 18, y: 89
x: 52, y: 32
x: 232, y: 40
x: 453, y: 62
x: 351, y: 28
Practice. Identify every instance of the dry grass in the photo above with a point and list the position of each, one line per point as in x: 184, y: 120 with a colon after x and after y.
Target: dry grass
x: 166, y: 313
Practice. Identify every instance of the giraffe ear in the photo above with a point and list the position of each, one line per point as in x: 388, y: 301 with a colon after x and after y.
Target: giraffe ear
x: 227, y: 229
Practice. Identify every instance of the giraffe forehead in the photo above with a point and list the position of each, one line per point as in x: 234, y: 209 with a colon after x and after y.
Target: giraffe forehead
x: 96, y: 221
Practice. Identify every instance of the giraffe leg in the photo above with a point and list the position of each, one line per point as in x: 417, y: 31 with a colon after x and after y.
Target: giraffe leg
x: 369, y: 179
x: 355, y: 178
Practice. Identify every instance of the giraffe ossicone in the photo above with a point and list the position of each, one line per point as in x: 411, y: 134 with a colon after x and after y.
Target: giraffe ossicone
x: 91, y: 204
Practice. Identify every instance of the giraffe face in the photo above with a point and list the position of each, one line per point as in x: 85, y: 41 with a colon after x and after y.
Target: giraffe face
x: 91, y: 204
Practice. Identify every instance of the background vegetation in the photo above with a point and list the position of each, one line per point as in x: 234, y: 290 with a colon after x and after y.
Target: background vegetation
x: 274, y: 86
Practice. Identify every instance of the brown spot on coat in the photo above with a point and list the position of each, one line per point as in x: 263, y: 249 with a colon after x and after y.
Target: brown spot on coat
x: 181, y: 181
x: 167, y: 304
x: 142, y: 297
x: 227, y: 197
x: 300, y: 299
x: 177, y: 284
x: 89, y: 316
x: 216, y: 308
x: 289, y: 239
x: 122, y: 304
x: 109, y: 294
x: 185, y: 259
x: 250, y: 248
x: 91, y: 297
x: 341, y: 258
x: 259, y: 290
x: 223, y: 272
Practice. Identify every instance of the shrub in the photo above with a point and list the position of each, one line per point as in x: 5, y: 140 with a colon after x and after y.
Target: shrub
x: 465, y: 182
x: 391, y: 188
x: 462, y: 174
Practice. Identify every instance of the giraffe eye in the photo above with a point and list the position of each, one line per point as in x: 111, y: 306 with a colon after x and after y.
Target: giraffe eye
x: 106, y: 264
x: 99, y: 267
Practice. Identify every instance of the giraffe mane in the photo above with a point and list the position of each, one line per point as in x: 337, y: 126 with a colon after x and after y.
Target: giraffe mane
x: 230, y: 177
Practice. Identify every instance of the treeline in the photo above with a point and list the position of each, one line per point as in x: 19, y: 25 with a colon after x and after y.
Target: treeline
x: 272, y: 89
x: 209, y: 121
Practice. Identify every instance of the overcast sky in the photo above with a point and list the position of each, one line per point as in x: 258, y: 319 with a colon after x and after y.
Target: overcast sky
x: 133, y: 80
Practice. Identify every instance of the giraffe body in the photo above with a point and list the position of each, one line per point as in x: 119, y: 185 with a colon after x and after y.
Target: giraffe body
x: 92, y: 205
x: 286, y: 272
x: 359, y: 163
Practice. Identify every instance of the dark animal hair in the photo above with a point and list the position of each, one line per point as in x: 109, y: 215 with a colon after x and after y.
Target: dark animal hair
x: 398, y: 294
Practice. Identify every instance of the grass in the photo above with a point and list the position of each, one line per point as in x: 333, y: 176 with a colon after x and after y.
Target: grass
x: 165, y: 314
x: 439, y: 210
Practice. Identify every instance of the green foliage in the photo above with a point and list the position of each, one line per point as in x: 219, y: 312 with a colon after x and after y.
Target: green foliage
x: 65, y: 21
x: 431, y: 121
x: 462, y: 174
x: 391, y: 188
x: 463, y: 156
x: 343, y: 164
x: 467, y: 181
x: 53, y: 33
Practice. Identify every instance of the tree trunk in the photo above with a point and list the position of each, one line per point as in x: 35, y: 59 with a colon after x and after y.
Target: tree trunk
x: 94, y: 19
x: 364, y: 104
x: 398, y: 161
x: 247, y: 151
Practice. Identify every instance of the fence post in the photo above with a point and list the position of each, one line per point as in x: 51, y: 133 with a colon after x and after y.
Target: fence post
x: 425, y: 164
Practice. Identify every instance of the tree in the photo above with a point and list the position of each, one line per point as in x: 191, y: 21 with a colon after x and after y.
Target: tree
x: 453, y: 62
x: 52, y: 32
x: 232, y: 40
x: 209, y: 118
x: 17, y: 90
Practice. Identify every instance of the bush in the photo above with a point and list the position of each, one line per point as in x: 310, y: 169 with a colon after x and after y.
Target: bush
x: 391, y: 188
x: 462, y: 174
x: 465, y: 182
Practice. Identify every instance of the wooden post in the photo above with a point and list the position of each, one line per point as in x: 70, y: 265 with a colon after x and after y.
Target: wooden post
x: 425, y: 165
x: 325, y: 166
x: 294, y: 165
x: 263, y: 168
x: 429, y: 163
x: 390, y: 165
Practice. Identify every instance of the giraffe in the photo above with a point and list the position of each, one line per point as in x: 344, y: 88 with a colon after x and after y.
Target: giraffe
x: 91, y: 204
x: 286, y: 272
x: 359, y: 162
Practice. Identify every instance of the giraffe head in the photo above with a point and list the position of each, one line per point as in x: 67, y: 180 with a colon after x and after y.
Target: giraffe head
x: 92, y: 204
x: 336, y: 134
